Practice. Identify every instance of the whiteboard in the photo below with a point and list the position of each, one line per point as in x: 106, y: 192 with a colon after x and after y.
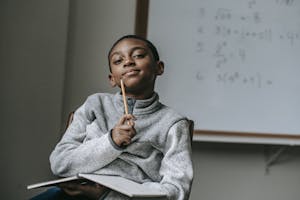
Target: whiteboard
x: 230, y: 65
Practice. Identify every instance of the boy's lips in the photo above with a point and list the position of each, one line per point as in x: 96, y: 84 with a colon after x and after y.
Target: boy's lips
x: 130, y: 72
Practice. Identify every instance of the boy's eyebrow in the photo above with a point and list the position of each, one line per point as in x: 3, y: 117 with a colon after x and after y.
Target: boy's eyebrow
x: 132, y: 49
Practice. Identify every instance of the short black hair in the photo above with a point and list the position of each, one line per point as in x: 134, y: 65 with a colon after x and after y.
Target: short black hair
x: 148, y: 43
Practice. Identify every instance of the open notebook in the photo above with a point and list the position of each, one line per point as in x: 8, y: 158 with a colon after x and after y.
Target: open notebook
x: 117, y: 183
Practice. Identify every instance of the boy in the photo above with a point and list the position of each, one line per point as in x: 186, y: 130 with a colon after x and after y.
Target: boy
x: 151, y: 145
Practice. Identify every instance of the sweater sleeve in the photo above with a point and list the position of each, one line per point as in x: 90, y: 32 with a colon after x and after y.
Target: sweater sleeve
x: 82, y: 149
x: 176, y: 167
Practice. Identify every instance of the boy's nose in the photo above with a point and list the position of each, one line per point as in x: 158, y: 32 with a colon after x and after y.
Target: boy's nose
x: 128, y: 62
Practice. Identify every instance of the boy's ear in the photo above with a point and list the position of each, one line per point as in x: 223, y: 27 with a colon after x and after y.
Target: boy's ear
x: 160, y: 68
x: 112, y: 80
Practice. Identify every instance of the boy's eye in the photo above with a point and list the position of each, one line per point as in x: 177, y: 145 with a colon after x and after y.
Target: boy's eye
x: 139, y: 55
x: 117, y: 61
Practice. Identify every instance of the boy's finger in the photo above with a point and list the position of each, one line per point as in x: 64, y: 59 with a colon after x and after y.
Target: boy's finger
x: 125, y: 127
x: 125, y: 117
x: 121, y: 120
x: 128, y: 133
x: 127, y: 141
x: 130, y: 123
x: 130, y: 116
x: 131, y: 134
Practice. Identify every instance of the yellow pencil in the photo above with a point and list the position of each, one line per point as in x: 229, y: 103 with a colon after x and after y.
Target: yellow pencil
x: 124, y: 97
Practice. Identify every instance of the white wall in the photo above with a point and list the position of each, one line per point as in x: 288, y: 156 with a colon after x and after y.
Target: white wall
x: 32, y: 59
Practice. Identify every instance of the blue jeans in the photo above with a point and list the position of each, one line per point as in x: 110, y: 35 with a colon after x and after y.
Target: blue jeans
x: 55, y: 193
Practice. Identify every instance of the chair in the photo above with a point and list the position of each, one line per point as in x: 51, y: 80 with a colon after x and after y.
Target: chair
x: 191, y: 128
x: 70, y: 119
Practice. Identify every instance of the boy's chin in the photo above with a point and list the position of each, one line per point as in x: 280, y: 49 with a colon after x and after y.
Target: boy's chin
x: 132, y: 82
x: 137, y: 84
x: 135, y: 88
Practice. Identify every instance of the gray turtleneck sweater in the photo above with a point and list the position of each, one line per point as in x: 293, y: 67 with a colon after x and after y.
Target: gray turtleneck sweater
x: 159, y: 155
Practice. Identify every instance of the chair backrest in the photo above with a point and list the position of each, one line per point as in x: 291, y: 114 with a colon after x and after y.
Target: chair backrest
x: 191, y: 125
x: 191, y: 128
x: 70, y: 119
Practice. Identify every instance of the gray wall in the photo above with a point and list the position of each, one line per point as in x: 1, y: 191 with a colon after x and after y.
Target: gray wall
x: 238, y: 172
x: 32, y: 59
x: 53, y: 55
x: 94, y: 25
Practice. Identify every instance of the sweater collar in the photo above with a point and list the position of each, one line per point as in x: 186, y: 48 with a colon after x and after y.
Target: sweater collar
x: 138, y: 106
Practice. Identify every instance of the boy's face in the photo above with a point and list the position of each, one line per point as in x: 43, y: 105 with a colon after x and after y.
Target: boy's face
x: 132, y: 60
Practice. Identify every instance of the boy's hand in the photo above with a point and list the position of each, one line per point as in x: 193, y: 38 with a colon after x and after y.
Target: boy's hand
x: 92, y: 191
x: 124, y: 130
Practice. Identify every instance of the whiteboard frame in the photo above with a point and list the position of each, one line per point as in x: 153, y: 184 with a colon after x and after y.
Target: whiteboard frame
x: 245, y: 137
x: 141, y: 26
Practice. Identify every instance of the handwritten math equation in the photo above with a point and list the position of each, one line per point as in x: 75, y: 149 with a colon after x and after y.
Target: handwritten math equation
x: 233, y: 32
x: 254, y: 80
